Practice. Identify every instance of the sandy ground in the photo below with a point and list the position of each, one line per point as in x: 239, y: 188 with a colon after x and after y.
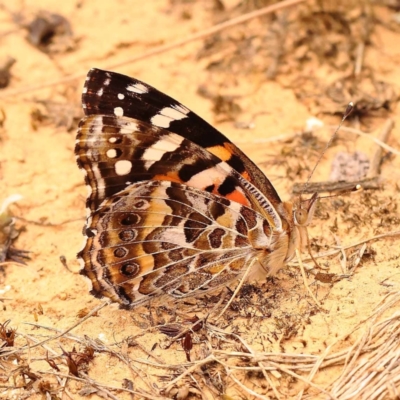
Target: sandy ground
x: 37, y: 162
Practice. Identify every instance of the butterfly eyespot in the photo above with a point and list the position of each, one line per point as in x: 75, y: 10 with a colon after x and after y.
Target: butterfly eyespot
x: 121, y: 252
x: 140, y: 204
x: 90, y: 232
x: 127, y: 235
x: 130, y: 219
x: 130, y: 269
x: 301, y: 216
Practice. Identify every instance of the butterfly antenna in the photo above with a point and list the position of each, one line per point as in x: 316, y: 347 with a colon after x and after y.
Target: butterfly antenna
x: 349, y: 109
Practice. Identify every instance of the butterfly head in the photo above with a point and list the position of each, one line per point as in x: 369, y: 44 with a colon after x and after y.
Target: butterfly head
x: 304, y: 213
x: 302, y: 217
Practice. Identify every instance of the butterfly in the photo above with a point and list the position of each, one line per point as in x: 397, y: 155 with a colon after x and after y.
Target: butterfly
x: 174, y: 207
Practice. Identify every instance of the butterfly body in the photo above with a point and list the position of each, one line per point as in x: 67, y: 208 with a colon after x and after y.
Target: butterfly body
x: 174, y: 207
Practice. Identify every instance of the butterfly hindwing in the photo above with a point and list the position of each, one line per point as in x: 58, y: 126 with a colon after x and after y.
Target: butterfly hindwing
x: 159, y: 237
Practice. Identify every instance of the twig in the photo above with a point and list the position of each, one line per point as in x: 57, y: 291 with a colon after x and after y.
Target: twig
x: 371, y: 181
x: 251, y: 351
x: 104, y: 348
x: 343, y: 259
x: 303, y: 274
x: 49, y: 349
x: 374, y: 139
x: 349, y: 246
x: 359, y: 58
x: 358, y: 258
x: 98, y: 384
x: 191, y: 369
x: 377, y: 157
x: 242, y: 386
x: 248, y: 269
x: 91, y: 313
x: 329, y: 186
x: 161, y: 49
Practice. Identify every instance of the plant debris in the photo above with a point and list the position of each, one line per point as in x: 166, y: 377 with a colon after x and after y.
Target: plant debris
x: 9, y: 233
x: 51, y: 33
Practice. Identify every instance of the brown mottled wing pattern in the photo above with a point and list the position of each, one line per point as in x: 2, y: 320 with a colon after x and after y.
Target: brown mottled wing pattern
x: 160, y: 237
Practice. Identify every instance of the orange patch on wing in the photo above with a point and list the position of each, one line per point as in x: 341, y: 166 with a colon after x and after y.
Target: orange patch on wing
x: 238, y: 197
x: 246, y: 176
x: 236, y: 265
x: 215, y: 269
x: 221, y: 152
x: 170, y: 176
x: 224, y: 152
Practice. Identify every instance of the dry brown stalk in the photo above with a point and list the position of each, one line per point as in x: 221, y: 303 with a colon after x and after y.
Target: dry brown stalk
x: 161, y: 49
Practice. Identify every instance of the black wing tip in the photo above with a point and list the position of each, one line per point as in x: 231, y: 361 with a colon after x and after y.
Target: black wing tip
x: 95, y: 70
x: 95, y: 73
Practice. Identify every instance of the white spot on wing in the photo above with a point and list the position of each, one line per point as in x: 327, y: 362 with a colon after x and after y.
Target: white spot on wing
x: 157, y: 150
x: 169, y: 114
x: 119, y: 111
x: 100, y: 92
x: 98, y: 179
x: 111, y: 153
x: 84, y: 90
x: 121, y: 96
x: 235, y: 206
x: 112, y: 139
x: 207, y: 177
x: 181, y: 108
x: 137, y: 88
x: 123, y: 167
x: 107, y: 82
x: 161, y: 121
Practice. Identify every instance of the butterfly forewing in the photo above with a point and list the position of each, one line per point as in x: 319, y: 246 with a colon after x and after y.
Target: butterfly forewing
x: 115, y: 94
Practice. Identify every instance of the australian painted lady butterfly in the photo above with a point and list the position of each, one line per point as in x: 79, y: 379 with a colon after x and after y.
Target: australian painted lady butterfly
x: 174, y: 206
